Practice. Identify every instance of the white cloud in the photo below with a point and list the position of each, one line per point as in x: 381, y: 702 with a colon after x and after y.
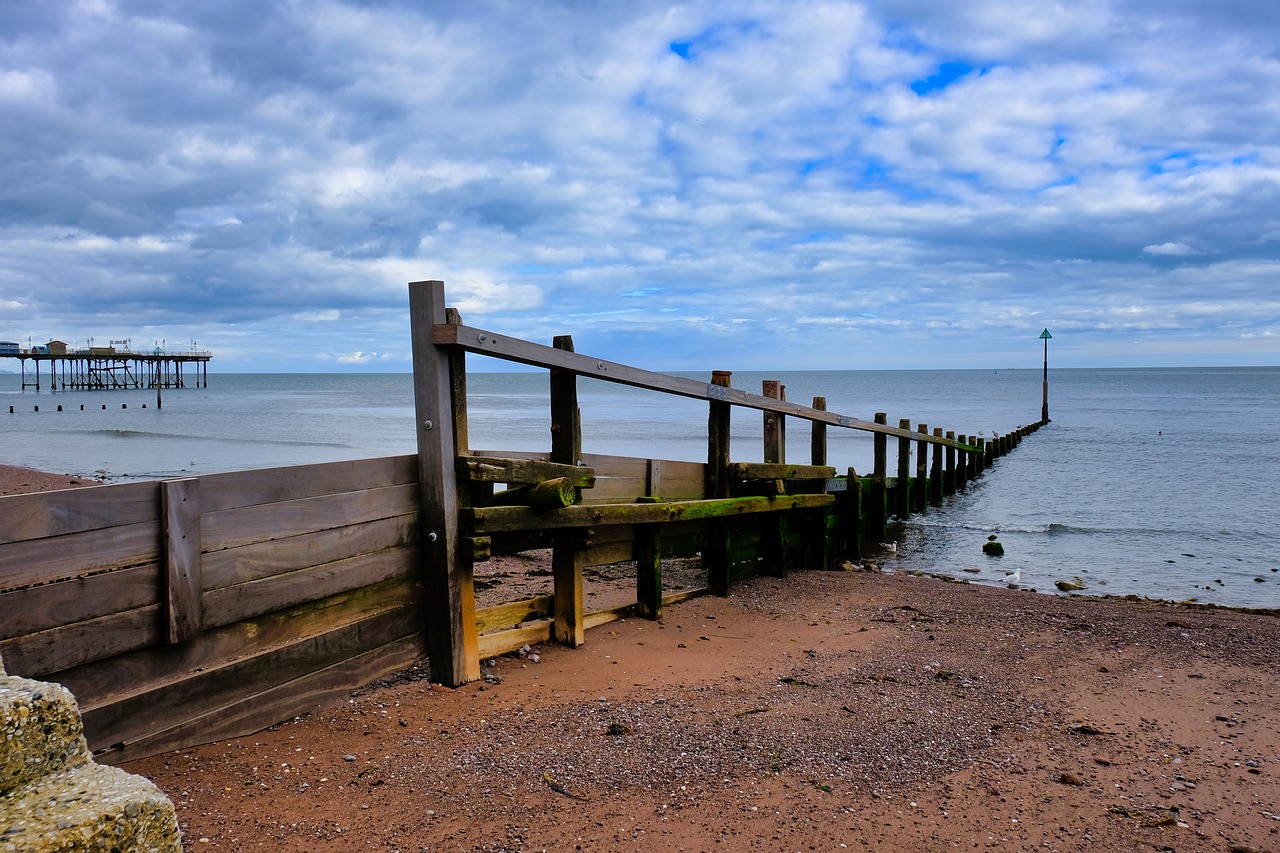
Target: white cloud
x: 1173, y: 249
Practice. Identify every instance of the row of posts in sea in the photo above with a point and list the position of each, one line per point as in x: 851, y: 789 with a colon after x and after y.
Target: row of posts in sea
x: 97, y: 370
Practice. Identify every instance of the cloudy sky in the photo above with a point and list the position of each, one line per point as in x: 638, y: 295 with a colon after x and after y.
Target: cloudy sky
x: 762, y: 184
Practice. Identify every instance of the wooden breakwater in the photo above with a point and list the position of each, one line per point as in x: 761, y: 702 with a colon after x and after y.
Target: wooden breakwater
x: 197, y: 609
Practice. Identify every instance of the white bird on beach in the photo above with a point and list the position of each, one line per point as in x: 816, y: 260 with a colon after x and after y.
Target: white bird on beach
x: 1013, y: 578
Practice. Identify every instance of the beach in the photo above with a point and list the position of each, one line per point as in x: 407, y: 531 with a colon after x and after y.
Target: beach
x: 822, y: 711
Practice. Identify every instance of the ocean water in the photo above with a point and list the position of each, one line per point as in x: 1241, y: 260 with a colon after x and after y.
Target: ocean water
x: 1155, y: 482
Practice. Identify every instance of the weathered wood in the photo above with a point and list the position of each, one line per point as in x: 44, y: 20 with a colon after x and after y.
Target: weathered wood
x: 648, y: 550
x: 296, y: 482
x: 278, y: 592
x: 501, y: 518
x: 458, y: 389
x: 770, y: 471
x: 653, y: 478
x: 57, y: 558
x: 567, y: 561
x: 64, y: 512
x: 902, y: 492
x: 35, y: 609
x: 276, y: 703
x: 184, y: 613
x: 522, y: 471
x: 106, y: 681
x: 566, y: 418
x: 477, y: 549
x: 196, y: 693
x: 715, y: 554
x: 501, y: 642
x: 450, y: 618
x: 775, y: 441
x: 230, y: 528
x: 552, y: 494
x: 920, y: 497
x: 511, y: 614
x: 876, y: 503
x: 962, y: 461
x: 950, y: 453
x: 935, y: 472
x: 818, y: 435
x: 39, y: 654
x: 281, y: 556
x: 526, y: 352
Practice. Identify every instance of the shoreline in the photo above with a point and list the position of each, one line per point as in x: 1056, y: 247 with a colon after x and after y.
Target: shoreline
x: 19, y: 480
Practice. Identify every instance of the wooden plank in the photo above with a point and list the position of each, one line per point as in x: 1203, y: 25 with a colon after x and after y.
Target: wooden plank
x: 193, y: 694
x: 458, y: 391
x: 230, y: 528
x: 770, y: 471
x: 491, y: 469
x: 538, y: 355
x: 294, y: 482
x: 505, y: 616
x: 60, y: 557
x: 37, y: 608
x: 63, y: 512
x: 500, y: 518
x: 40, y: 654
x: 450, y: 617
x: 123, y: 675
x: 613, y: 614
x: 648, y: 551
x: 184, y: 611
x: 653, y: 478
x: 275, y: 704
x: 501, y: 642
x: 278, y: 592
x: 902, y: 494
x: 280, y: 556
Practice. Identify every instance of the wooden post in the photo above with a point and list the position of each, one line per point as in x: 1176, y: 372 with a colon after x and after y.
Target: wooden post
x: 922, y: 471
x: 962, y: 463
x: 450, y: 612
x: 567, y: 557
x: 876, y: 515
x: 180, y: 502
x: 715, y: 556
x: 648, y: 571
x: 774, y: 426
x: 902, y: 494
x: 935, y: 472
x: 950, y: 483
x: 851, y: 523
x: 818, y: 442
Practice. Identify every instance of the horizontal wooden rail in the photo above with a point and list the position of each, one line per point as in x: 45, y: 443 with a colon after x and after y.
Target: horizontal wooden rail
x: 495, y: 519
x: 482, y: 342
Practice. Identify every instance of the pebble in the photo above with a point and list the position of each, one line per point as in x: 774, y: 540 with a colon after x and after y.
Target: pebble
x: 348, y: 758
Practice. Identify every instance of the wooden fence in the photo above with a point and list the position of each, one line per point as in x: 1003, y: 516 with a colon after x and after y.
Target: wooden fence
x: 197, y: 609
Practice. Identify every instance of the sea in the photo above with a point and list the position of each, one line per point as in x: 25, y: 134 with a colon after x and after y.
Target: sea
x: 1157, y: 482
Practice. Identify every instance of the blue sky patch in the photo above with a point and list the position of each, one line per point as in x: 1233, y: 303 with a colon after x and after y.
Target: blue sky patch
x: 947, y: 73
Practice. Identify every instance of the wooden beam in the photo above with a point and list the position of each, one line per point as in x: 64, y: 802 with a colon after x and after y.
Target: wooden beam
x: 184, y: 614
x: 774, y: 471
x: 450, y: 620
x: 568, y: 556
x: 818, y: 435
x: 648, y: 549
x: 775, y: 428
x: 493, y: 469
x: 497, y: 519
x: 715, y: 555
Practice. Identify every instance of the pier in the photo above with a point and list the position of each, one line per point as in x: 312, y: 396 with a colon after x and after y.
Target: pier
x: 105, y: 367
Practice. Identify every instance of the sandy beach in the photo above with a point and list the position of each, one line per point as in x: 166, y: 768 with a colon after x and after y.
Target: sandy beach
x: 823, y: 711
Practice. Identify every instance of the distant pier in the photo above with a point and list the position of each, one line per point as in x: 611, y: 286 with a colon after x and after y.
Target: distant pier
x: 104, y: 367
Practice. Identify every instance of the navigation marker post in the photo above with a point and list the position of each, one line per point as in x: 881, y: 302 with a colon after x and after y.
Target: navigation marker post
x: 1044, y: 405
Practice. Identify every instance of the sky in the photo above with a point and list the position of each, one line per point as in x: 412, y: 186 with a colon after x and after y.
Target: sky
x: 752, y: 185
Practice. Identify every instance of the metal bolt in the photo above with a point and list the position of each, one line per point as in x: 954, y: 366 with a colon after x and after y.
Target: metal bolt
x: 482, y: 338
x: 427, y: 424
x: 599, y: 365
x: 432, y: 536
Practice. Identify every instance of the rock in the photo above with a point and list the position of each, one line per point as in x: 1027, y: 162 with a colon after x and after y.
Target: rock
x: 993, y: 549
x: 1071, y: 585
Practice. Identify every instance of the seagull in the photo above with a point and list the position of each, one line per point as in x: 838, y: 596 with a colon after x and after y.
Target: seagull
x: 891, y: 547
x: 1013, y: 578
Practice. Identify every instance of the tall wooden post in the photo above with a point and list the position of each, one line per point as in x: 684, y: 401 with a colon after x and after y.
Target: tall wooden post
x: 818, y: 440
x: 715, y: 556
x: 935, y: 472
x: 452, y: 650
x: 951, y: 464
x: 567, y: 557
x: 775, y: 430
x: 962, y: 463
x: 876, y: 515
x: 922, y: 471
x: 902, y: 494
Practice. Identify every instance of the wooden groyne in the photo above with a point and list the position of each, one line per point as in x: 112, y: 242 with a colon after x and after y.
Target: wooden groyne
x: 202, y: 608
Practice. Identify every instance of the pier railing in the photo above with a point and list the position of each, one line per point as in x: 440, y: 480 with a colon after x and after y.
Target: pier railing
x: 202, y: 608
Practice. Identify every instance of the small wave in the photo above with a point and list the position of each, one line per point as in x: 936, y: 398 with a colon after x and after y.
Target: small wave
x: 132, y: 434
